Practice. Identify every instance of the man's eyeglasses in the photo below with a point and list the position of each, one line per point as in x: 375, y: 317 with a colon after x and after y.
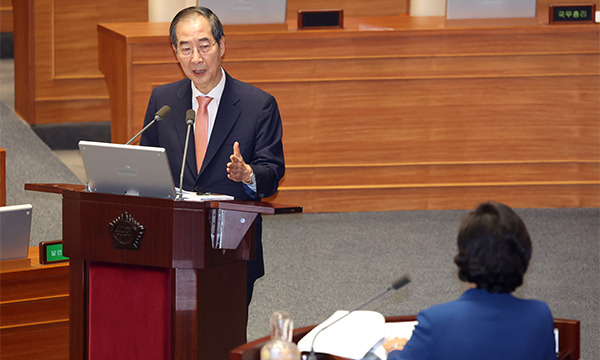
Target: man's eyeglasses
x: 188, y: 50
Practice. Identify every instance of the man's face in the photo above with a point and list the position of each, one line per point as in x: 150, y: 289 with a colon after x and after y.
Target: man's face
x: 204, y: 69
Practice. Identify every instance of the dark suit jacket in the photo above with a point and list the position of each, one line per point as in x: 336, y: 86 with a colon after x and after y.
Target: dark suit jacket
x: 482, y: 326
x: 247, y: 115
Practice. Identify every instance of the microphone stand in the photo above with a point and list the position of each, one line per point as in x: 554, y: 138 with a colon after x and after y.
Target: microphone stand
x: 141, y: 131
x: 189, y: 120
x: 397, y: 284
x: 162, y: 113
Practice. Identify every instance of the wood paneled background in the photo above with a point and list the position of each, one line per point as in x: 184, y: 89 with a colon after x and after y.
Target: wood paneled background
x: 391, y: 113
x: 6, y: 16
x: 57, y: 79
x: 414, y: 117
x: 56, y: 69
x: 435, y: 119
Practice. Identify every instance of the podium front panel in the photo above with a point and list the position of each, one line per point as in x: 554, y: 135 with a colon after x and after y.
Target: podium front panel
x: 129, y: 312
x: 134, y: 230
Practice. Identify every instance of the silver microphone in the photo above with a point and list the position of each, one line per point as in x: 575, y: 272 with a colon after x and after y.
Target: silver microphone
x: 162, y: 113
x: 397, y: 284
x: 190, y: 117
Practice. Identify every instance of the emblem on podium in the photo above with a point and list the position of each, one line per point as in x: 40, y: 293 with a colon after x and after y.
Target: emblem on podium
x: 126, y: 232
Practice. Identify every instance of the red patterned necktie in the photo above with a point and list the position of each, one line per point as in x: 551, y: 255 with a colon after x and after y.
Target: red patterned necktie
x: 201, y: 130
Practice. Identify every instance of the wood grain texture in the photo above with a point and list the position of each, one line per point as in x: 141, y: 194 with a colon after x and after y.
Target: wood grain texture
x: 48, y: 341
x: 56, y: 58
x: 207, y: 318
x: 6, y: 16
x: 24, y: 60
x: 406, y: 109
x: 37, y: 310
x: 34, y: 310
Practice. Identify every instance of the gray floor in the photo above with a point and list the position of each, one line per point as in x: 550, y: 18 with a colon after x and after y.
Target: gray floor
x: 71, y: 158
x: 319, y: 263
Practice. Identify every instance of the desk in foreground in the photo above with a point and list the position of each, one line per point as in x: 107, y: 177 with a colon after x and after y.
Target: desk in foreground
x: 568, y: 344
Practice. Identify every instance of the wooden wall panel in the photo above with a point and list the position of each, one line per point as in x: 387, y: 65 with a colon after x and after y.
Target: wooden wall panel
x: 455, y: 196
x: 6, y: 16
x: 409, y: 186
x: 440, y: 120
x: 56, y: 68
x: 324, y: 176
x: 425, y: 116
x: 57, y: 79
x: 406, y: 68
x: 24, y: 60
x: 56, y: 56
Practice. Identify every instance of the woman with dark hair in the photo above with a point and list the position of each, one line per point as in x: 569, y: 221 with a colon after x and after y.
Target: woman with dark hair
x: 486, y: 322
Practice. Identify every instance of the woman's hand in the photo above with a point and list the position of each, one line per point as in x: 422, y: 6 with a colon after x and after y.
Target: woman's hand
x: 394, y: 344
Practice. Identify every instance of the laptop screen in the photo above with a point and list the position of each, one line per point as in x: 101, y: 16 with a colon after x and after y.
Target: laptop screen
x: 127, y: 169
x: 15, y: 227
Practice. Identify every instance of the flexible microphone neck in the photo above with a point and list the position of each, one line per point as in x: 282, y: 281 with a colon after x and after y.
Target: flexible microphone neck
x: 190, y: 116
x: 397, y: 284
x: 160, y: 114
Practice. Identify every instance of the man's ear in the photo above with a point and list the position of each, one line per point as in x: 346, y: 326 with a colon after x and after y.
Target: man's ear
x: 222, y: 45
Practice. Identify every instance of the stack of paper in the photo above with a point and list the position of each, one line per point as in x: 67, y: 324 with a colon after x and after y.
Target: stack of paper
x: 355, y: 335
x: 193, y: 196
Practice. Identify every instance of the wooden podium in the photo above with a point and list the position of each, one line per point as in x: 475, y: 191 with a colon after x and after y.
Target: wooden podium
x: 156, y: 278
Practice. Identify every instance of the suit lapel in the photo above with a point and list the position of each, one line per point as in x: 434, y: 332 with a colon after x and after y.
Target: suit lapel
x: 227, y: 115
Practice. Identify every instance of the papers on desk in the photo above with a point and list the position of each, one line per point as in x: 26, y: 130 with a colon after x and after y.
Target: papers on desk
x: 401, y: 329
x: 193, y: 196
x: 355, y: 335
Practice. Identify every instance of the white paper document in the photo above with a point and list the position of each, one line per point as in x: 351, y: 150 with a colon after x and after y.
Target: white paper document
x: 401, y: 329
x: 355, y: 335
x: 193, y: 196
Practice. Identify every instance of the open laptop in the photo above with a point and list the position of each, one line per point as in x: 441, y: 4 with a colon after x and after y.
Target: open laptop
x: 15, y: 228
x: 127, y: 169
